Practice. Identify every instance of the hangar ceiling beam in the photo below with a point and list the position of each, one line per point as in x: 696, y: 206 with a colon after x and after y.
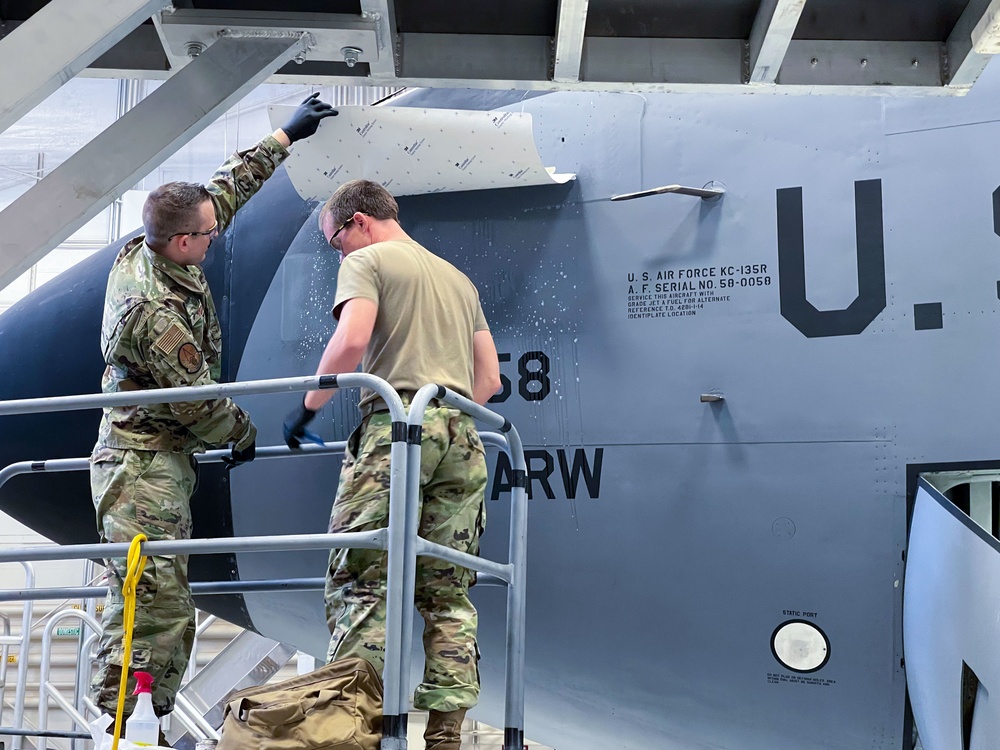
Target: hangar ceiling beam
x: 383, y: 14
x: 476, y: 58
x: 134, y: 145
x: 963, y: 64
x: 570, y: 27
x: 657, y: 64
x: 56, y: 43
x: 769, y: 39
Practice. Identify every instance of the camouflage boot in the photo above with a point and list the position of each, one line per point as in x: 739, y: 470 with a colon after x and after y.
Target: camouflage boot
x: 444, y: 730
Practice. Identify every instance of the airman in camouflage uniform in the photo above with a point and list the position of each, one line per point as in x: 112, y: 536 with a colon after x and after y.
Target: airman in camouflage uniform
x: 160, y: 330
x: 453, y: 481
x: 410, y: 318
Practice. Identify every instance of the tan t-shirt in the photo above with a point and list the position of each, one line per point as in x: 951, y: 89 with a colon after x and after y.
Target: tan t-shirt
x: 428, y: 311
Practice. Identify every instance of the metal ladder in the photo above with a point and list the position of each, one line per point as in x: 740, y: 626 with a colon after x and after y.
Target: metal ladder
x: 249, y: 659
x: 399, y: 539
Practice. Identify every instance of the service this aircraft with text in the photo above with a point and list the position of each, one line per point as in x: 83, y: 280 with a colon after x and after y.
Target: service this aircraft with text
x: 720, y: 399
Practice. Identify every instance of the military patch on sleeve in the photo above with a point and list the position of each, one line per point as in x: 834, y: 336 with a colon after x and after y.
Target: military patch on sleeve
x: 189, y: 357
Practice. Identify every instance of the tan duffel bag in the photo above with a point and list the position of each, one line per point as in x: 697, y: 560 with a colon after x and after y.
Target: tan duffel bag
x: 337, y: 707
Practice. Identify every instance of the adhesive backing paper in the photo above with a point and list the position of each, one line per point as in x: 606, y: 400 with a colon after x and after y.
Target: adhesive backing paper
x: 412, y: 151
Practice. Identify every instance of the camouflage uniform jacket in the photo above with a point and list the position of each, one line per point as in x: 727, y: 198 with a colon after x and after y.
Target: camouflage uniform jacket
x: 161, y: 330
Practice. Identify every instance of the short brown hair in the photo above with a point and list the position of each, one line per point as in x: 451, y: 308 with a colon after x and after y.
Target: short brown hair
x: 171, y: 209
x: 360, y: 196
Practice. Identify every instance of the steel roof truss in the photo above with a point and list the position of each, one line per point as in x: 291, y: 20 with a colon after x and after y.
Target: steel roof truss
x: 56, y: 43
x: 138, y: 142
x: 865, y: 64
x: 382, y: 13
x: 475, y: 57
x: 659, y: 61
x: 986, y: 35
x: 769, y: 39
x: 854, y: 67
x: 963, y: 64
x: 570, y: 27
x: 772, y: 57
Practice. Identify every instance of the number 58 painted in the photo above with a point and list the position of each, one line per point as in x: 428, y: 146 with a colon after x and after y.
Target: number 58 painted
x: 537, y: 374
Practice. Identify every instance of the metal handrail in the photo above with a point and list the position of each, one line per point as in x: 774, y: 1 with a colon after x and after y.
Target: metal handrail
x: 85, y: 642
x: 276, y: 543
x: 46, y: 688
x: 202, y: 393
x: 195, y: 721
x: 4, y: 653
x: 199, y: 630
x: 23, y: 650
x: 31, y: 594
x: 57, y: 465
x: 400, y: 544
x: 366, y: 540
x: 209, y: 588
x: 512, y: 573
x: 197, y: 588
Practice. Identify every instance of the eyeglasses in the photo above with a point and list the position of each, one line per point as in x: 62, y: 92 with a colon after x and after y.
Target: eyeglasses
x: 334, y: 235
x: 211, y: 233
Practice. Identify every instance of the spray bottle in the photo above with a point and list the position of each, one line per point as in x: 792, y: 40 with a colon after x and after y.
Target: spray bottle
x: 142, y: 727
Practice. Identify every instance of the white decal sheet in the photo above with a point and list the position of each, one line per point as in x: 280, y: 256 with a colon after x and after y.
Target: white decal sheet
x: 411, y: 151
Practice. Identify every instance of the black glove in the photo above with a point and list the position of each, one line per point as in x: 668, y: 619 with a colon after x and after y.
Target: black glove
x: 305, y: 119
x: 240, y: 456
x: 295, y: 425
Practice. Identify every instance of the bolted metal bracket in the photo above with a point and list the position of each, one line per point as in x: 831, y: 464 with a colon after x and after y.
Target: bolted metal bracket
x: 351, y: 55
x: 322, y: 39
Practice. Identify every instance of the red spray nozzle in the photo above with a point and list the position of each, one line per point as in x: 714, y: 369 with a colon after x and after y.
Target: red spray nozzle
x: 143, y: 683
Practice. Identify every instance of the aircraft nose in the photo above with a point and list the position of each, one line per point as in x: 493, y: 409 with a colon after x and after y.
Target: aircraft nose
x: 50, y: 346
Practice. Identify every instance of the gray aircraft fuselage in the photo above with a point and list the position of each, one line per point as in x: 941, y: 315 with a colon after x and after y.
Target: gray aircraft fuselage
x: 842, y: 297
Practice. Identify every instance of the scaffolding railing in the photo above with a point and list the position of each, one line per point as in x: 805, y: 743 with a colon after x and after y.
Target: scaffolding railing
x: 23, y: 643
x: 399, y: 539
x: 512, y: 573
x: 4, y: 656
x: 46, y: 688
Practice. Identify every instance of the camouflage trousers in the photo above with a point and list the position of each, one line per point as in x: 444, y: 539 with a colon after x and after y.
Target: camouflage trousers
x: 453, y: 483
x: 144, y: 492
